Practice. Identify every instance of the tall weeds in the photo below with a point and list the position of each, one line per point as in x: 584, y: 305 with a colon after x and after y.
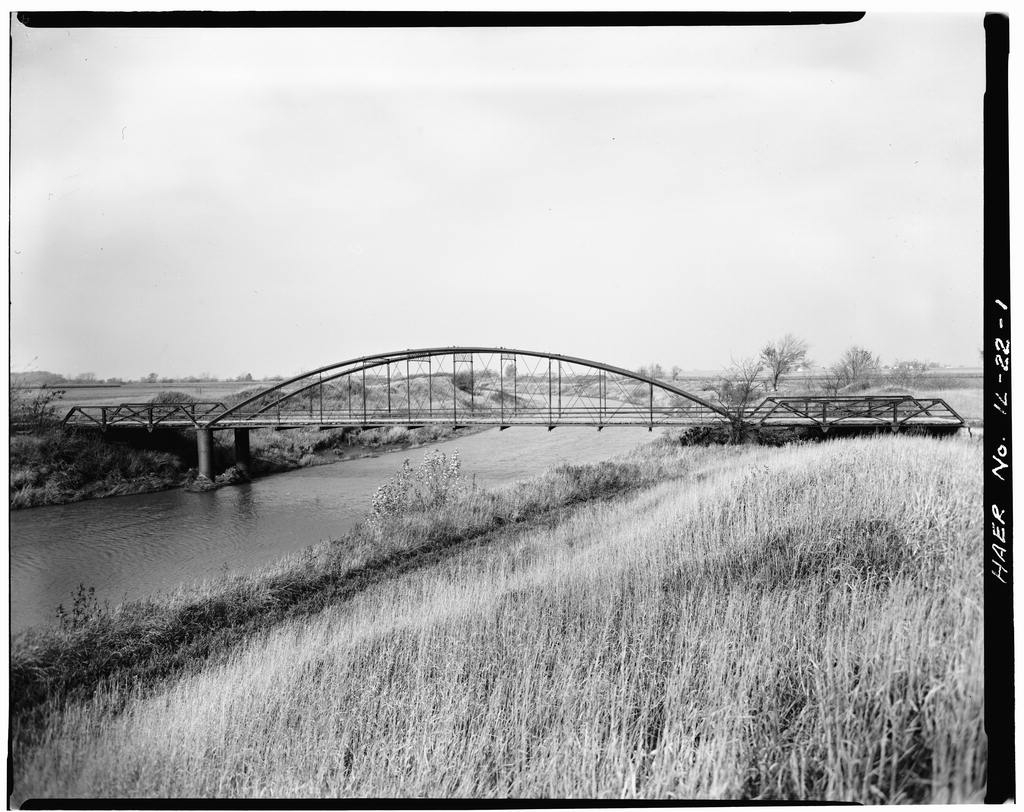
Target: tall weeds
x: 148, y: 640
x: 57, y: 465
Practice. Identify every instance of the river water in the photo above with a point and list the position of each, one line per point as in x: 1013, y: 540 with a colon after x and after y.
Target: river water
x: 133, y: 546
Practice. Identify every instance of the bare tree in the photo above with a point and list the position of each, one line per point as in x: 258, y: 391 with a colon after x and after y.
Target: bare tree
x: 856, y: 366
x: 859, y: 364
x: 783, y: 356
x: 653, y: 371
x: 907, y: 373
x: 31, y: 407
x: 832, y: 379
x: 739, y: 388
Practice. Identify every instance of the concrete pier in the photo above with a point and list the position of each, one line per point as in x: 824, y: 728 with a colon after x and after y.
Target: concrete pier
x: 204, y: 444
x: 243, y: 459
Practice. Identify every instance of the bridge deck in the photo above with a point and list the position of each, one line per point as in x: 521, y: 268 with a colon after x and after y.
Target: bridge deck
x: 894, y: 411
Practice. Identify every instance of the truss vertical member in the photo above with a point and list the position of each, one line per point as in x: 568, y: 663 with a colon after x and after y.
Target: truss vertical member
x: 515, y: 385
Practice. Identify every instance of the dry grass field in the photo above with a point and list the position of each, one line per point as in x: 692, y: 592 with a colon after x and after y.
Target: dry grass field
x: 79, y: 395
x: 800, y: 622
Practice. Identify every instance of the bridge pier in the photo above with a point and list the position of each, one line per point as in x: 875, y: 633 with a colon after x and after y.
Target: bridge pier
x: 204, y: 445
x: 243, y: 459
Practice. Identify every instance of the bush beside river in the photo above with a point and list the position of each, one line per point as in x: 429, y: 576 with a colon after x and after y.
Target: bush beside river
x: 55, y: 466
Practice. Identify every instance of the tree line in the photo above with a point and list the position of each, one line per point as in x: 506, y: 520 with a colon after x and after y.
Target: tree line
x: 42, y: 378
x: 857, y: 369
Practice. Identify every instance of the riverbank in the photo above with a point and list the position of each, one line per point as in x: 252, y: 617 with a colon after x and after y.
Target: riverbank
x: 56, y: 466
x: 143, y: 642
x: 738, y: 623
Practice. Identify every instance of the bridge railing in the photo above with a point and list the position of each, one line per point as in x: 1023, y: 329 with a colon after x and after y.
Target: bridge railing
x: 659, y: 415
x: 895, y: 411
x: 151, y: 416
x: 148, y: 415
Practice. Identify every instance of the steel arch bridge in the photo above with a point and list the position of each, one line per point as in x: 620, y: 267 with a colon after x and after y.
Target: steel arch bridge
x: 453, y: 385
x: 471, y: 386
x: 495, y: 386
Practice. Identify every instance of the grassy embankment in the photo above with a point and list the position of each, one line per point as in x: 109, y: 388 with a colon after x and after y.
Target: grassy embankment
x: 798, y: 622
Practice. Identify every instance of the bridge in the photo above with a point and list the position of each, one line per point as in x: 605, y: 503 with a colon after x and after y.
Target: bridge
x: 493, y: 386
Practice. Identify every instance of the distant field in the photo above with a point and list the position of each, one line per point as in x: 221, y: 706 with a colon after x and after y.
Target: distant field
x: 967, y: 402
x: 143, y: 392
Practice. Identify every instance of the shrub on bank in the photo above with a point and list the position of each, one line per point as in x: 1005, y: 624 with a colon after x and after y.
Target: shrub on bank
x: 63, y: 465
x: 172, y: 396
x: 724, y: 434
x: 432, y: 484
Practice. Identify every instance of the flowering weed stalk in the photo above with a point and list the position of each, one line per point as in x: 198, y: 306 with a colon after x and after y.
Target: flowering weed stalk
x: 432, y: 484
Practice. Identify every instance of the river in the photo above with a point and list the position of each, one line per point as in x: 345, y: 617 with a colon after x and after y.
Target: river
x: 129, y: 547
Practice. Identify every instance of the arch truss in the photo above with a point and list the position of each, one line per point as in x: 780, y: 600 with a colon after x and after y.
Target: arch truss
x: 467, y: 386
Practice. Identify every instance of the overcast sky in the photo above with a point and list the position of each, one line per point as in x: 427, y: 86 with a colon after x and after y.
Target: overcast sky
x: 230, y: 201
